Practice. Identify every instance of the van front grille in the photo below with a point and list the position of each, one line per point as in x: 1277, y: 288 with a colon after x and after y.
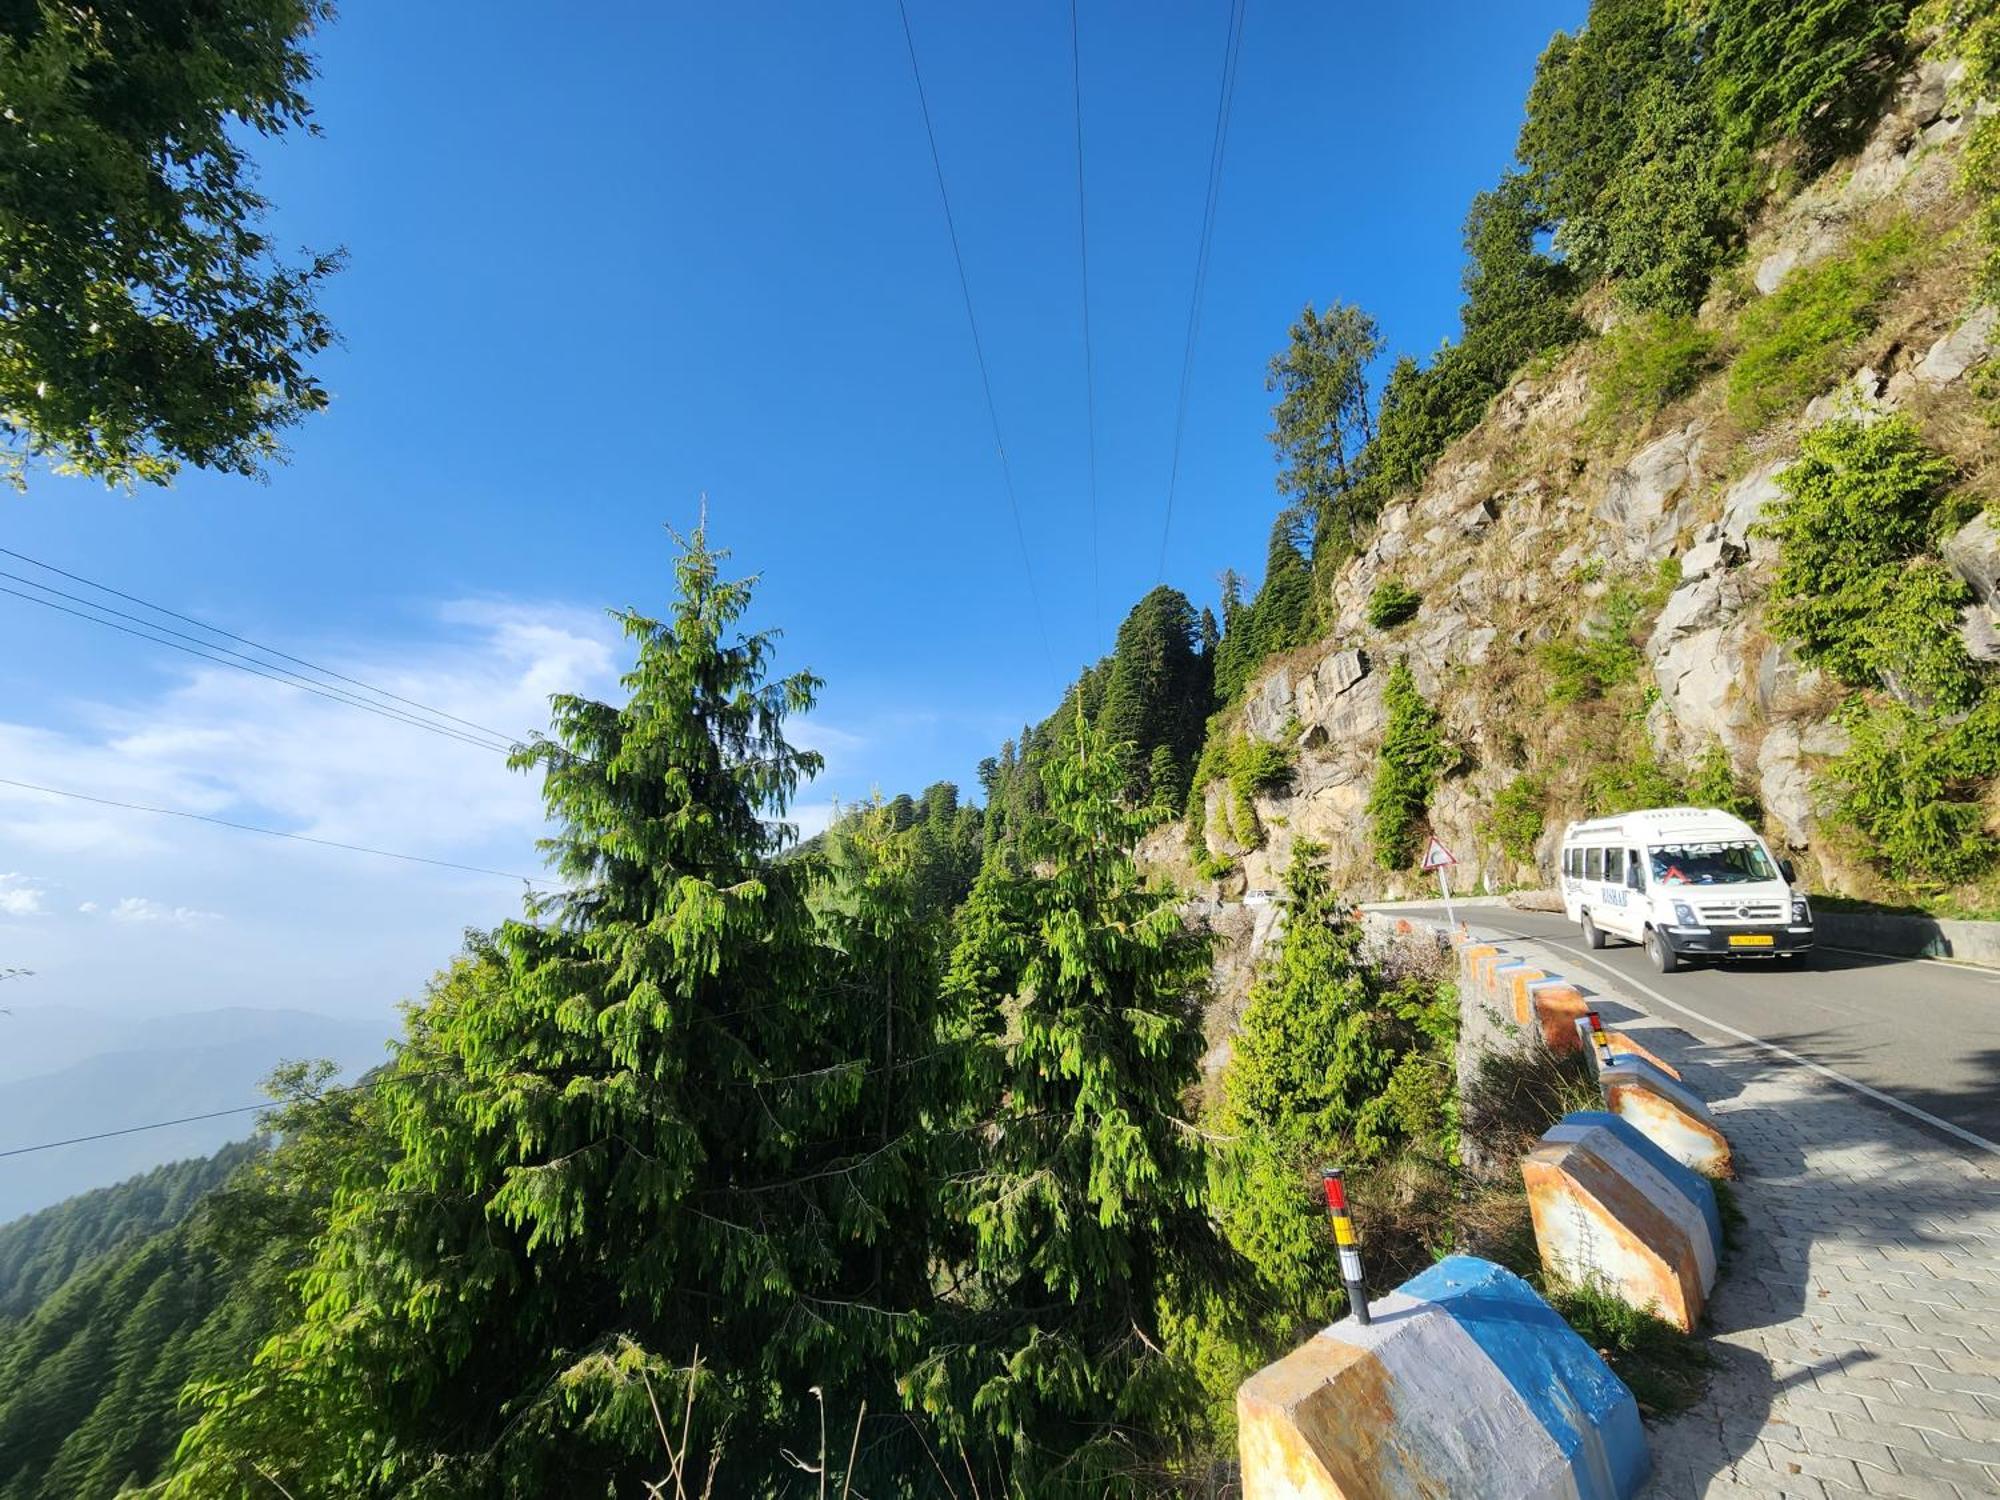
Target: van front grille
x: 1742, y: 911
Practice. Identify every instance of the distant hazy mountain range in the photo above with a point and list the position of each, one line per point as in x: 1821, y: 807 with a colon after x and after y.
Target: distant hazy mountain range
x: 67, y: 1072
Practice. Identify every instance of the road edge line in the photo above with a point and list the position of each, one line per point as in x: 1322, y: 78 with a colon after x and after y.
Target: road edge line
x: 1992, y: 1148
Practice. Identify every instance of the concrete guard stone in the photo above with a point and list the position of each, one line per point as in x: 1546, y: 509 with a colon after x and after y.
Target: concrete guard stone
x: 1466, y: 1383
x: 1614, y: 1211
x: 1668, y: 1114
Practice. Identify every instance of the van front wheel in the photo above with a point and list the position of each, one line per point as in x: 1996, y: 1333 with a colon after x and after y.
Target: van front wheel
x: 1592, y: 938
x: 1661, y: 952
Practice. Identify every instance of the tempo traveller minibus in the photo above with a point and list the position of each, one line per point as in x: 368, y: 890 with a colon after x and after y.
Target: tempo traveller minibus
x: 1685, y: 883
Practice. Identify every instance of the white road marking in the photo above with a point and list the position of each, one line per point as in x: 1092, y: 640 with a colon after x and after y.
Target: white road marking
x: 1990, y: 1147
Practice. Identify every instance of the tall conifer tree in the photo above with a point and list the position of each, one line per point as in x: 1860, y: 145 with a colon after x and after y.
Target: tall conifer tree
x: 1087, y: 1212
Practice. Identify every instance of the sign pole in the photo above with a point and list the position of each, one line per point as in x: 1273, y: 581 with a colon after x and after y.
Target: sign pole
x: 1444, y: 885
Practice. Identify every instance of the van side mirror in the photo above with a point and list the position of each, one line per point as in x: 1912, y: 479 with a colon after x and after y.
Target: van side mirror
x: 1785, y: 869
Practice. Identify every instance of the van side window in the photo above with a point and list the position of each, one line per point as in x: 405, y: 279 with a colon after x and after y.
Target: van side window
x: 1637, y: 864
x: 1573, y: 863
x: 1614, y: 866
x: 1593, y: 864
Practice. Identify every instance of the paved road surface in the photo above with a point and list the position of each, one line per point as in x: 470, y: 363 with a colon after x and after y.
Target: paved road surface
x: 1925, y: 1033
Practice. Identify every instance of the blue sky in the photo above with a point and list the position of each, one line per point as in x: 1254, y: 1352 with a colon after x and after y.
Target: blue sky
x: 662, y: 251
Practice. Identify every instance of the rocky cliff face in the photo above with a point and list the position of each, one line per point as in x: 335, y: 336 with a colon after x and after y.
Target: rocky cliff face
x: 1528, y: 524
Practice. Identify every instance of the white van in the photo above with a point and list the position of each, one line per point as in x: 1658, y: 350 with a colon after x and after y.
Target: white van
x: 1684, y: 881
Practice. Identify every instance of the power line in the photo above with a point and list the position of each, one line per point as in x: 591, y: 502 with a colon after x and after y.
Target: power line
x: 978, y: 346
x: 105, y: 1135
x: 1225, y: 104
x: 276, y: 833
x: 269, y: 671
x: 1083, y: 259
x: 161, y: 609
x: 214, y: 1114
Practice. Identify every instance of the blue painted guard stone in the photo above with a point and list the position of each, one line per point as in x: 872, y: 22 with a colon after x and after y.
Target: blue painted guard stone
x: 1585, y: 1409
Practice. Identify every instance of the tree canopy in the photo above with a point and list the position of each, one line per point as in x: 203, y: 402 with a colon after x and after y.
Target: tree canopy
x: 146, y: 320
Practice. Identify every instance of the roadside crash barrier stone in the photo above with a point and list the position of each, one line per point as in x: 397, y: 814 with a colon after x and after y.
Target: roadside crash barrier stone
x: 1624, y: 1046
x: 1557, y: 1006
x: 1613, y: 1210
x: 1464, y: 1382
x: 1483, y: 966
x: 1519, y: 982
x: 1667, y: 1113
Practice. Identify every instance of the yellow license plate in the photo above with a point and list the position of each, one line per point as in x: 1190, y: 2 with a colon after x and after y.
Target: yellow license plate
x: 1750, y: 940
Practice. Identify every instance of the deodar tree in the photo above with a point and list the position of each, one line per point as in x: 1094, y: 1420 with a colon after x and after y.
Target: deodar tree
x: 638, y: 1149
x: 1062, y: 1371
x: 146, y: 322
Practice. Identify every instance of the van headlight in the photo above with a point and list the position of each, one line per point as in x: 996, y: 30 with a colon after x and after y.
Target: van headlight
x: 1684, y: 914
x: 1801, y: 911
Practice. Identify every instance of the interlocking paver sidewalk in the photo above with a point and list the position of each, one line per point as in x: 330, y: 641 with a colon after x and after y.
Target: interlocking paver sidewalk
x: 1857, y: 1321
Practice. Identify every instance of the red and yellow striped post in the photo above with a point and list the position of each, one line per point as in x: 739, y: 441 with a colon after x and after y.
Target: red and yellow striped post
x: 1349, y: 1243
x: 1590, y: 1026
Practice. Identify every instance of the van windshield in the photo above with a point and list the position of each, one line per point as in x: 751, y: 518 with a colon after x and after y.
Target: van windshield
x: 1735, y: 863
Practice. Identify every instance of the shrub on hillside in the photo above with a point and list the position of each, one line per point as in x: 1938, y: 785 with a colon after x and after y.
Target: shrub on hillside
x: 1795, y: 342
x: 1713, y: 782
x: 1645, y: 363
x: 1857, y: 590
x: 1413, y: 757
x: 1392, y: 603
x: 1915, y: 789
x: 1518, y: 817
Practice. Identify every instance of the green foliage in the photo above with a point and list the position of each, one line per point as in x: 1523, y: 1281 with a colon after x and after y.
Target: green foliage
x: 1085, y: 1201
x: 1857, y: 590
x: 40, y: 1252
x: 1625, y: 151
x: 1392, y: 602
x: 1816, y: 71
x: 1794, y: 343
x: 1914, y: 788
x: 1519, y: 815
x: 1674, y: 213
x: 1970, y: 30
x: 1608, y: 653
x: 1622, y: 783
x: 1249, y: 767
x: 1321, y: 422
x: 1641, y: 127
x: 1517, y: 307
x: 1166, y: 780
x: 146, y: 321
x: 1413, y: 757
x: 1423, y: 408
x: 1279, y: 618
x: 1517, y: 300
x: 1713, y: 781
x: 1581, y: 125
x: 1646, y: 363
x: 1336, y: 1062
x: 1667, y: 1370
x: 90, y: 1378
x: 1157, y: 694
x: 682, y: 1110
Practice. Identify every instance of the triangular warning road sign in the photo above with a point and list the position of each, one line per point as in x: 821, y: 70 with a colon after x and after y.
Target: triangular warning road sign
x: 1436, y: 856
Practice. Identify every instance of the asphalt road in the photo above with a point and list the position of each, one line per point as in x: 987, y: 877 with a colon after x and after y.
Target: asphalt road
x: 1925, y: 1034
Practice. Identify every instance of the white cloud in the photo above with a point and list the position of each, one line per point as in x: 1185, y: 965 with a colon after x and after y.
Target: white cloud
x: 145, y: 909
x: 19, y: 896
x: 88, y: 908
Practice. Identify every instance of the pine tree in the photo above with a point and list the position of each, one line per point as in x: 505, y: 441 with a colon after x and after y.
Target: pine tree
x: 1087, y: 1214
